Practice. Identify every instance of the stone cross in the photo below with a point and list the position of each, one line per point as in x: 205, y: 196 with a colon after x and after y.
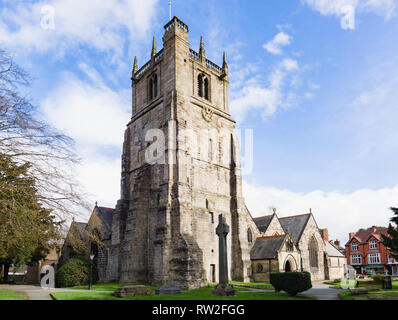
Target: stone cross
x: 222, y: 232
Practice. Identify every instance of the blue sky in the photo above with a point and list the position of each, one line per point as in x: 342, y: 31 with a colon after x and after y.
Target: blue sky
x: 315, y: 79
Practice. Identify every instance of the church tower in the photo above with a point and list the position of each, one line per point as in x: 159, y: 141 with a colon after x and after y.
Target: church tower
x: 180, y: 171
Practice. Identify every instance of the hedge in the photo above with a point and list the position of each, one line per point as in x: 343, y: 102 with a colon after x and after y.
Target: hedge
x: 378, y: 278
x: 75, y: 272
x: 291, y: 282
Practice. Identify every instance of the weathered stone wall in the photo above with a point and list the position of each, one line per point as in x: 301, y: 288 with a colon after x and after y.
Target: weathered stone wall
x: 336, y: 268
x: 268, y: 266
x: 164, y: 226
x: 311, y: 230
x: 274, y: 228
x: 96, y: 225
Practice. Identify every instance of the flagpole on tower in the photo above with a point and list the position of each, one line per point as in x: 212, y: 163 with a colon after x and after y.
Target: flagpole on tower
x: 170, y: 9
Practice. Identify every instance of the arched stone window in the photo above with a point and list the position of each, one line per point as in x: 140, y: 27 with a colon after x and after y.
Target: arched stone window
x: 290, y: 246
x: 260, y: 267
x: 249, y: 236
x: 206, y: 88
x: 153, y: 87
x: 203, y: 86
x: 313, y: 253
x: 150, y: 89
x: 200, y: 85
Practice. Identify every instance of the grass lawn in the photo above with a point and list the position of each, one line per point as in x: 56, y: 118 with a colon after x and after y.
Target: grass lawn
x: 346, y: 296
x: 196, y: 294
x: 107, y: 286
x: 11, y: 295
x: 381, y: 293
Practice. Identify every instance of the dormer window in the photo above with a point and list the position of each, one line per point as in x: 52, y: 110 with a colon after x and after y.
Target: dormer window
x: 203, y: 86
x: 354, y: 246
x: 372, y: 244
x: 153, y: 87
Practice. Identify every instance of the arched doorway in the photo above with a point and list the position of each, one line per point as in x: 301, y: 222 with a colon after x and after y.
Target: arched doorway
x: 288, y: 267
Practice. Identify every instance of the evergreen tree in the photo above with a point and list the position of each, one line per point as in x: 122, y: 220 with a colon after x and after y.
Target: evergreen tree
x: 27, y: 230
x: 391, y: 241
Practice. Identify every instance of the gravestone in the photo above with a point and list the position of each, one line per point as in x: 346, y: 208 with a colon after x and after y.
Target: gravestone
x: 132, y: 291
x: 223, y: 288
x: 168, y: 290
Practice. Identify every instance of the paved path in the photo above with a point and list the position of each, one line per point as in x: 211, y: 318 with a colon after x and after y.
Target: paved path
x: 36, y: 292
x: 319, y: 290
x: 322, y: 291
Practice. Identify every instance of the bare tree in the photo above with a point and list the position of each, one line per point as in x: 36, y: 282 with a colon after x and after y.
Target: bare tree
x: 27, y: 139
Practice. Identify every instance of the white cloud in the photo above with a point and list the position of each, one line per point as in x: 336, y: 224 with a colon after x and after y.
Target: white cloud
x: 95, y: 116
x: 267, y: 99
x: 102, y: 25
x: 275, y: 45
x: 91, y: 114
x: 374, y: 113
x: 101, y: 177
x: 340, y: 212
x: 346, y: 10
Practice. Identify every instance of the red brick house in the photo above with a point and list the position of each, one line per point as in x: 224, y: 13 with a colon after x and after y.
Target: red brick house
x: 366, y: 253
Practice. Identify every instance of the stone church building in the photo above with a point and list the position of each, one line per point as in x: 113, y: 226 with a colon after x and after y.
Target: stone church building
x: 180, y: 171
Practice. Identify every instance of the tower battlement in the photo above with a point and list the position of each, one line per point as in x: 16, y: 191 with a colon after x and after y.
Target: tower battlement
x: 163, y: 230
x: 173, y: 27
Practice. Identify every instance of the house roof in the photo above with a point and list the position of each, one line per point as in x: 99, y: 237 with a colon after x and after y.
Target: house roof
x: 332, y: 251
x: 107, y: 214
x: 266, y: 247
x: 295, y: 225
x: 263, y: 222
x: 363, y: 236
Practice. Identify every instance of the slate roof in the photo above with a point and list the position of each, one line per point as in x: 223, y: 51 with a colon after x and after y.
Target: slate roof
x: 363, y: 236
x: 332, y: 251
x: 295, y: 225
x: 266, y: 247
x: 107, y: 214
x: 81, y: 226
x: 263, y: 222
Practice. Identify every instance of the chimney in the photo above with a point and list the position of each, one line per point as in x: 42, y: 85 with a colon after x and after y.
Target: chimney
x: 325, y: 235
x: 350, y: 235
x: 337, y: 243
x: 374, y: 229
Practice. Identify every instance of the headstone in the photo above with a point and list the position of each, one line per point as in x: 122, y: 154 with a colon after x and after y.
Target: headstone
x: 387, y: 283
x: 168, y: 290
x: 223, y: 288
x: 357, y: 291
x: 132, y: 291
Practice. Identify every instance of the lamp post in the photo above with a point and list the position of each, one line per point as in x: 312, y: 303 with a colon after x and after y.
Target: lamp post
x: 92, y: 255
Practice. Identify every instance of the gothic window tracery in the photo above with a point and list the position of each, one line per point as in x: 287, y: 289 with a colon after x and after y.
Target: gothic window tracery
x: 153, y: 87
x: 249, y: 236
x: 290, y: 246
x: 203, y: 86
x: 313, y: 253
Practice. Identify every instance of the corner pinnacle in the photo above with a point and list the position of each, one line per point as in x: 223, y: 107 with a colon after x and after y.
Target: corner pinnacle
x: 153, y: 47
x: 202, y: 51
x: 135, y: 68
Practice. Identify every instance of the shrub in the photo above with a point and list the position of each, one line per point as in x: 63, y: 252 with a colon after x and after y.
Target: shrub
x: 75, y: 272
x: 378, y: 278
x: 291, y: 282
